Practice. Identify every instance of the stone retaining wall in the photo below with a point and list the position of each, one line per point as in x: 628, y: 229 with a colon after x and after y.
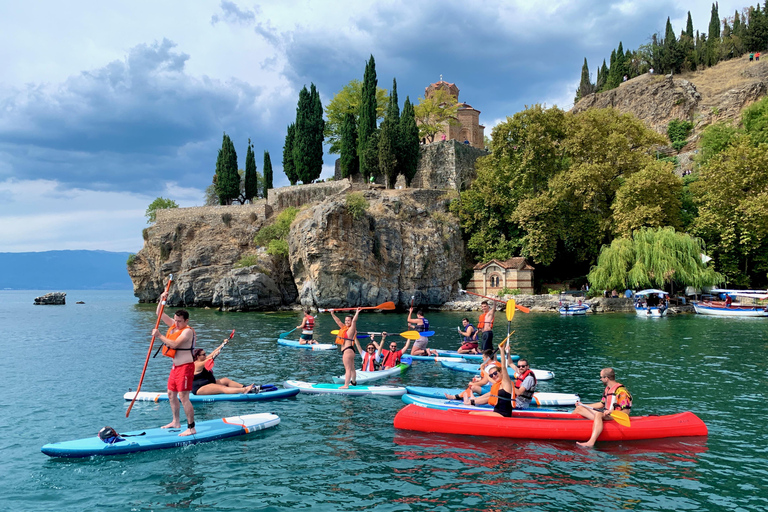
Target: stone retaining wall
x: 447, y: 165
x: 212, y: 215
x: 298, y: 195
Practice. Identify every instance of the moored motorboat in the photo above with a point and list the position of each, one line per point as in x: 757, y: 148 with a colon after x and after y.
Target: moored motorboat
x: 651, y: 302
x: 573, y: 310
x: 747, y: 305
x: 566, y: 428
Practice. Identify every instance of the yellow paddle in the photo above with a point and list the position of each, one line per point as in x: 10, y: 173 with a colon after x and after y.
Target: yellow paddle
x: 621, y: 417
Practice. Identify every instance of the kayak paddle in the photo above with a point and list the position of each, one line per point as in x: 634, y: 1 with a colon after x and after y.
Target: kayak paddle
x: 384, y: 305
x: 621, y: 417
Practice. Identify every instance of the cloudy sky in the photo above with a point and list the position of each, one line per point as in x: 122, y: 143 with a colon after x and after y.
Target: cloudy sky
x: 105, y: 106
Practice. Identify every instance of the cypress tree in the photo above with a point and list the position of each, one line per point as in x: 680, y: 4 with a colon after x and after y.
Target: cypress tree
x: 348, y: 160
x: 367, y: 117
x: 714, y: 23
x: 387, y: 148
x: 713, y: 38
x: 289, y: 167
x: 393, y: 114
x: 303, y: 138
x: 251, y: 176
x: 227, y: 179
x: 369, y: 159
x: 689, y: 26
x: 410, y: 142
x: 585, y: 85
x: 602, y: 76
x: 267, y: 173
x: 612, y: 80
x: 672, y: 57
x: 316, y: 135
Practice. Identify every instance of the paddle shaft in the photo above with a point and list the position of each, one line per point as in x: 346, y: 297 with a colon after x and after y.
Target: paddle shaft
x: 621, y: 417
x: 149, y: 350
x: 385, y: 305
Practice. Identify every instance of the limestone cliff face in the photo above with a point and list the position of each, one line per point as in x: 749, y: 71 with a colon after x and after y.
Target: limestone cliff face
x: 200, y: 247
x: 404, y: 245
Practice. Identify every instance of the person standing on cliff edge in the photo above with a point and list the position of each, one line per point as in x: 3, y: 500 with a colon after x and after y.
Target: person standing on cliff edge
x: 179, y: 344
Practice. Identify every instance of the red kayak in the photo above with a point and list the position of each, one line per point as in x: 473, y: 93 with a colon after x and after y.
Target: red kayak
x: 569, y: 428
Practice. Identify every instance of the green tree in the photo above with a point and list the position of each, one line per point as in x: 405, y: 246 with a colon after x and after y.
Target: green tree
x: 602, y: 76
x: 388, y: 138
x: 651, y: 198
x: 435, y: 112
x: 348, y: 101
x: 289, y: 167
x: 714, y: 139
x: 585, y: 85
x: 267, y: 181
x: 369, y: 159
x: 409, y: 149
x: 158, y: 204
x: 713, y: 40
x: 653, y: 257
x: 251, y: 181
x: 308, y: 137
x: 349, y: 162
x: 754, y: 118
x: 366, y: 125
x: 227, y: 180
x: 733, y: 211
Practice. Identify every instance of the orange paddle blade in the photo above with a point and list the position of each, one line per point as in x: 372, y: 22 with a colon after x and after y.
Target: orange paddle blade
x: 522, y: 308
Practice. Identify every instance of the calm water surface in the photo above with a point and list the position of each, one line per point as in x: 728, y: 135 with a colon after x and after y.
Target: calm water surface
x: 68, y: 367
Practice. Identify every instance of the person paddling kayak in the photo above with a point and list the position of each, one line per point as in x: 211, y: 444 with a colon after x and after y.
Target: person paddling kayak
x: 616, y: 397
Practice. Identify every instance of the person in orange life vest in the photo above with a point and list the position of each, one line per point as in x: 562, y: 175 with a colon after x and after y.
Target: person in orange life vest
x: 181, y: 337
x: 615, y: 398
x: 525, y: 383
x: 475, y: 386
x: 205, y: 383
x: 347, y: 338
x: 470, y: 338
x: 390, y: 358
x: 485, y: 324
x: 500, y: 395
x: 421, y: 324
x: 307, y: 327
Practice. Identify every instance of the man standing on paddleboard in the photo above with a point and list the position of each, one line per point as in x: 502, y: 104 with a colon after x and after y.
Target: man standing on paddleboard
x: 485, y: 324
x: 179, y: 343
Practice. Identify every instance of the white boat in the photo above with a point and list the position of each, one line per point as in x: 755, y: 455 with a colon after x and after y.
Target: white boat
x: 747, y: 305
x: 573, y: 310
x: 648, y: 303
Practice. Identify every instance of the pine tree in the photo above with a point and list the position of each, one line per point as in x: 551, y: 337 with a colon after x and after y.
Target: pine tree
x: 251, y: 176
x: 367, y: 118
x: 267, y: 173
x: 289, y: 167
x: 227, y: 179
x: 672, y: 59
x: 348, y: 159
x: 410, y: 150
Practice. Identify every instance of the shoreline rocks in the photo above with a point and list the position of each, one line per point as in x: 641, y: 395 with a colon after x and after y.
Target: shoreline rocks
x: 51, y: 299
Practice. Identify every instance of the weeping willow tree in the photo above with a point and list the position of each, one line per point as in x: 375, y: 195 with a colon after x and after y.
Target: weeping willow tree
x: 653, y: 258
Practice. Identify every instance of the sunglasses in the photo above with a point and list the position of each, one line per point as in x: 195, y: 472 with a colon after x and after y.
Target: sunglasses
x: 371, y: 348
x: 393, y: 346
x: 493, y: 374
x: 522, y: 366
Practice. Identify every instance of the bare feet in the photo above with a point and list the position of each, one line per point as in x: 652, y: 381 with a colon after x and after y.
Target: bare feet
x: 188, y: 432
x: 344, y: 387
x: 586, y: 444
x: 172, y: 425
x: 247, y: 389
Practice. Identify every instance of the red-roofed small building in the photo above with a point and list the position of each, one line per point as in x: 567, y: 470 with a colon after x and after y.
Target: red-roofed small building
x: 491, y: 277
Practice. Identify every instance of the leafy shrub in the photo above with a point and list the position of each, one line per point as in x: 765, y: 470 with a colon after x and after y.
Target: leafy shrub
x: 226, y: 218
x: 356, y: 205
x: 131, y: 259
x: 279, y: 229
x: 510, y: 291
x: 714, y: 139
x: 278, y: 247
x: 159, y: 203
x: 247, y: 260
x: 145, y: 234
x: 678, y: 131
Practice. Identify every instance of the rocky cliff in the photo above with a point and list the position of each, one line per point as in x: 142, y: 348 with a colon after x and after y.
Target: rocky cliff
x: 703, y: 97
x: 403, y: 244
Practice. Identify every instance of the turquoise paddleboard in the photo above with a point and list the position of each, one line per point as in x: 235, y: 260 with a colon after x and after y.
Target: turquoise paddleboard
x: 161, y: 438
x: 148, y: 396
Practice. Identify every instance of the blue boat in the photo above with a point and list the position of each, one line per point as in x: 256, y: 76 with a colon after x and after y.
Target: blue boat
x: 162, y: 438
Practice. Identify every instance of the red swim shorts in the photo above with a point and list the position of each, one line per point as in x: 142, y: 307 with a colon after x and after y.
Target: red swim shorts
x: 468, y: 345
x: 181, y: 377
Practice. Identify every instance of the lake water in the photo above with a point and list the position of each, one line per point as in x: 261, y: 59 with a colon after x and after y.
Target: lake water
x: 68, y: 367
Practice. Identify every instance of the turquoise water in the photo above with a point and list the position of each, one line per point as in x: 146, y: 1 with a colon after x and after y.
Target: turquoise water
x: 68, y: 367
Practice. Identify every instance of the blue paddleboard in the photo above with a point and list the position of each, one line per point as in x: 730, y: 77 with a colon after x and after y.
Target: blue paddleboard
x: 148, y: 396
x: 474, y: 368
x: 161, y: 438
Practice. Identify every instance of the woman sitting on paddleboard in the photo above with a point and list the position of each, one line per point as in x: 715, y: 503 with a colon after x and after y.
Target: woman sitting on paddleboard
x: 500, y: 395
x: 206, y: 384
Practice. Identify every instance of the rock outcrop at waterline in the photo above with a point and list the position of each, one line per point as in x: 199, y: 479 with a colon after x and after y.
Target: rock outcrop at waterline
x: 404, y: 244
x: 53, y: 298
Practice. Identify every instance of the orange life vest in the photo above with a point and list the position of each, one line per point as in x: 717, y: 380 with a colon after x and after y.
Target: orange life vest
x: 368, y: 362
x: 171, y: 352
x: 342, y: 336
x: 494, y: 399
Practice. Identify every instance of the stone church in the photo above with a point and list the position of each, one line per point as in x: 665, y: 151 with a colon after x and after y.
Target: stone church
x: 468, y: 130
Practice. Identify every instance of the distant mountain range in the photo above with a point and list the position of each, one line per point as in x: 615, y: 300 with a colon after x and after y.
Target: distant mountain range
x: 64, y: 270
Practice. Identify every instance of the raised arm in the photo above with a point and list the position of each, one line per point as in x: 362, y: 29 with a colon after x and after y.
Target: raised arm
x: 336, y: 319
x: 166, y: 319
x: 506, y: 381
x: 352, y: 332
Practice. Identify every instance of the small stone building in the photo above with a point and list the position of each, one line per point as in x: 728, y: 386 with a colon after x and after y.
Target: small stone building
x: 468, y: 128
x: 493, y: 276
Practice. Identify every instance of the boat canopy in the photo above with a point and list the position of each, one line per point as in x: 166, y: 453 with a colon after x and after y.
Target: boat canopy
x: 754, y: 294
x: 650, y: 291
